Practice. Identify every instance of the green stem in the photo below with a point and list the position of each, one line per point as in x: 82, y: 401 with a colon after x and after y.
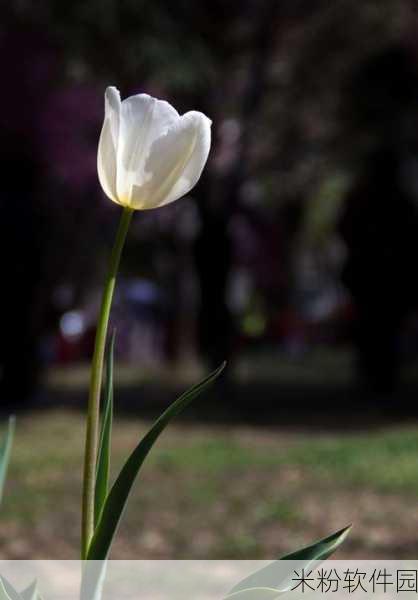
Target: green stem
x: 93, y: 414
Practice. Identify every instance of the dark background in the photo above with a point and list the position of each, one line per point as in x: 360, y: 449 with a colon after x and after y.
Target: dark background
x: 296, y: 250
x: 294, y: 258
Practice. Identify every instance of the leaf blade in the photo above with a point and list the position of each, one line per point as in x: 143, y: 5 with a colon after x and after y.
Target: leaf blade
x: 259, y: 593
x: 31, y: 592
x: 277, y: 575
x: 103, y: 459
x: 7, y: 590
x: 321, y: 549
x: 118, y: 495
x: 5, y: 452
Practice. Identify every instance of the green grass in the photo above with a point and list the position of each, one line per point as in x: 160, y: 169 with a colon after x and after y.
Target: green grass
x: 384, y: 461
x: 217, y: 492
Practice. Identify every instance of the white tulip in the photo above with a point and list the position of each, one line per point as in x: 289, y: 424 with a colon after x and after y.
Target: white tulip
x: 148, y: 154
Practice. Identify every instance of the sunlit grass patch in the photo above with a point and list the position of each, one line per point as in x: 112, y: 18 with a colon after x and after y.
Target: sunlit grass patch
x: 215, y: 491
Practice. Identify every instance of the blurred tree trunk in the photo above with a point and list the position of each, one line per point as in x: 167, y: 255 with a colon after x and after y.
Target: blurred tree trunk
x: 219, y: 197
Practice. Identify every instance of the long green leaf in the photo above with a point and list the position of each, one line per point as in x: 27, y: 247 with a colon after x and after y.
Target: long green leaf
x: 5, y: 451
x: 320, y: 550
x: 7, y: 590
x: 3, y: 594
x: 258, y: 593
x: 31, y: 592
x: 103, y: 460
x: 118, y: 495
x: 277, y: 575
x: 93, y: 579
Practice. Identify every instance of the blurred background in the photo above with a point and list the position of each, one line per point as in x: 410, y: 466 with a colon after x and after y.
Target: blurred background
x: 293, y: 259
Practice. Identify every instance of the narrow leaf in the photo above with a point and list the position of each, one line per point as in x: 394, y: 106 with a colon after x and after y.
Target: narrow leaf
x: 103, y: 459
x: 320, y: 550
x: 118, y: 495
x: 7, y: 591
x: 277, y: 575
x: 5, y: 451
x: 92, y: 579
x: 258, y: 593
x: 31, y: 592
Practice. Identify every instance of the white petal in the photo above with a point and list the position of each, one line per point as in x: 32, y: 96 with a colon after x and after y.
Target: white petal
x: 175, y: 162
x: 143, y: 119
x: 112, y: 110
x: 107, y: 151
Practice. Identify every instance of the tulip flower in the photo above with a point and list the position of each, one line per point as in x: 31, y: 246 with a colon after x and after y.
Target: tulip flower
x: 149, y: 155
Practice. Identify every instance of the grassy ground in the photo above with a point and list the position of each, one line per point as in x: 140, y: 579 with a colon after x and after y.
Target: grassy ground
x: 218, y: 491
